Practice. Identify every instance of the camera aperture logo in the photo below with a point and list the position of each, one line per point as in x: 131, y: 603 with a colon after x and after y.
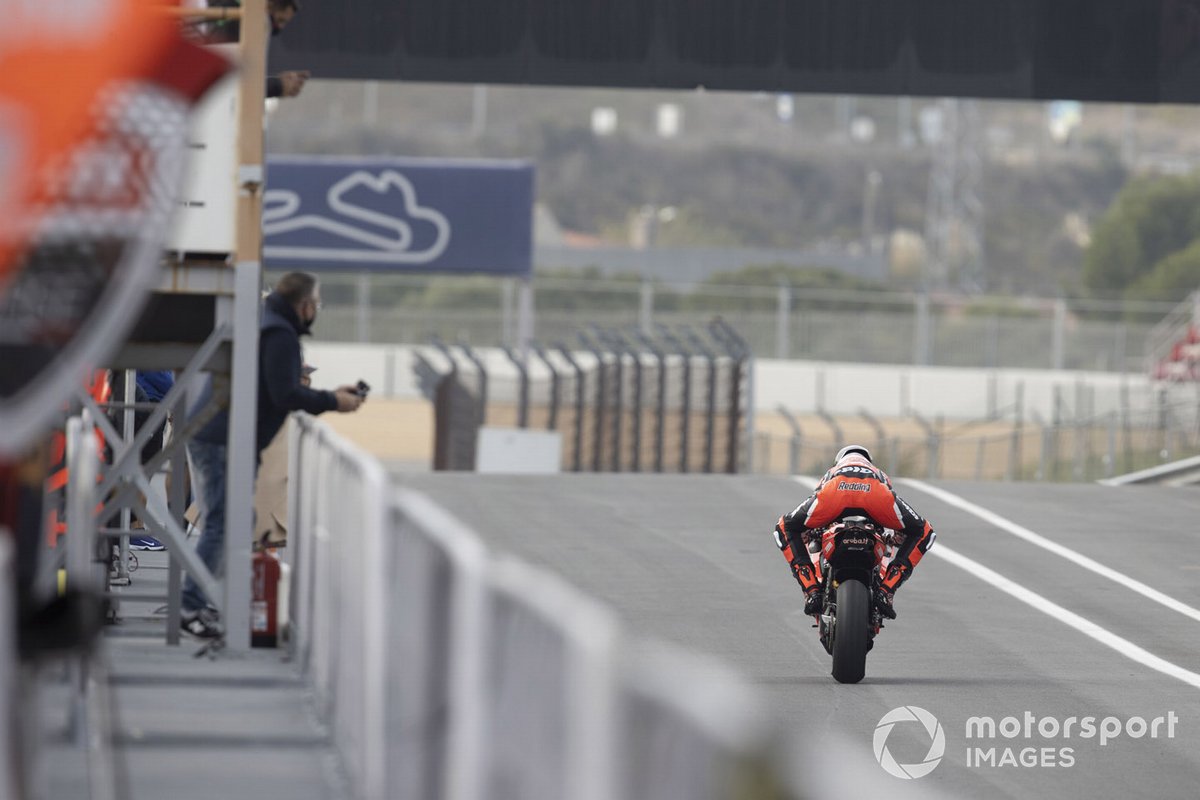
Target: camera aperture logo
x: 937, y: 742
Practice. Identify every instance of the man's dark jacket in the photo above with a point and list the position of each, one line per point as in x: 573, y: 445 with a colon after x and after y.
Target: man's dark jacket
x: 279, y: 389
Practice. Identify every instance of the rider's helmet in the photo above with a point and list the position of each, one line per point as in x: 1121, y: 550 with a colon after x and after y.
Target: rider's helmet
x: 853, y: 449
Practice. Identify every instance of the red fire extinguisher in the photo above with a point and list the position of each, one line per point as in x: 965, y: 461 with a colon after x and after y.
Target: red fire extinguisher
x: 264, y: 606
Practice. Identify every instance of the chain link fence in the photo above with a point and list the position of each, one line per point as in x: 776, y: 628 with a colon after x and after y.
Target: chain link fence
x: 1078, y: 446
x: 777, y: 322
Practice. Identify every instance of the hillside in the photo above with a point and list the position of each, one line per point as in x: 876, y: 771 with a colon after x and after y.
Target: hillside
x: 736, y: 175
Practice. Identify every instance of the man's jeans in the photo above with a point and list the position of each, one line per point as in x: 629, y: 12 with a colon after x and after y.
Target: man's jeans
x: 208, y: 462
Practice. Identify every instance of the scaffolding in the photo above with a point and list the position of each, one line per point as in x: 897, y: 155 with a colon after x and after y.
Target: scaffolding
x: 203, y: 318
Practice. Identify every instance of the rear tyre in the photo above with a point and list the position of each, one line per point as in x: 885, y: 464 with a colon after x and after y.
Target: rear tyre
x: 851, y: 632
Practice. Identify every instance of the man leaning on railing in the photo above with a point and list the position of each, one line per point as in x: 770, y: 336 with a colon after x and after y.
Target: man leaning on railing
x: 288, y: 313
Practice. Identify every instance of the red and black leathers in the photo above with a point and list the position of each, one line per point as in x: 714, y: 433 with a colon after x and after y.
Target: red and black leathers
x: 854, y: 486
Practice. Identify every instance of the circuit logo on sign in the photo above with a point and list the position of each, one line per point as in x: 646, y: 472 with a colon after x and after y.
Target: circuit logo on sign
x: 369, y: 218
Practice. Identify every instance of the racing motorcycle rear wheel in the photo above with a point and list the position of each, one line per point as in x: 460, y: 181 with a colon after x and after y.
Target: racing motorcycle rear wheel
x: 851, y: 633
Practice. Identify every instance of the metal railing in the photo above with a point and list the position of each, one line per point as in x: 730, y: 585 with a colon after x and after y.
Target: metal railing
x: 884, y: 327
x: 1071, y: 447
x: 1172, y: 329
x: 440, y: 678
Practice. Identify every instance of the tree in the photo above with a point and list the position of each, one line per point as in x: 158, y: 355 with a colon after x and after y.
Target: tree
x: 1173, y: 278
x: 1151, y: 219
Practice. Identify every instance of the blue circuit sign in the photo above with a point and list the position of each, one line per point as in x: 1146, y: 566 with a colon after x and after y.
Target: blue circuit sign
x: 398, y: 214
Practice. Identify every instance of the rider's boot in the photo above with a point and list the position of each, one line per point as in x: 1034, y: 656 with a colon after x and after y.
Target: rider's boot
x: 802, y: 568
x: 806, y: 576
x: 889, y: 582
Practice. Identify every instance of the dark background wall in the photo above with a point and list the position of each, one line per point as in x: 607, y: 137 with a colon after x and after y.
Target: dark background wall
x: 1141, y: 51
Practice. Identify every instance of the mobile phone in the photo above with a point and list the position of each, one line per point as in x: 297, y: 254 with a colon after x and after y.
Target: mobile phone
x: 362, y: 389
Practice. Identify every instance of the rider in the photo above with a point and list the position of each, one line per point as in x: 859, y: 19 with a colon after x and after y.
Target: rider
x: 853, y: 485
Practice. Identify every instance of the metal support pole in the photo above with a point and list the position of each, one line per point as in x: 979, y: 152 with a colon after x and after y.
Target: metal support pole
x: 921, y: 331
x: 618, y: 395
x: 1164, y: 445
x: 880, y: 433
x: 797, y: 440
x: 600, y: 403
x: 685, y: 411
x: 783, y: 321
x: 660, y: 411
x: 1058, y: 335
x: 507, y: 292
x: 931, y: 435
x: 242, y: 456
x: 577, y: 464
x: 83, y: 461
x: 243, y: 402
x: 638, y: 395
x: 481, y: 370
x: 710, y: 411
x: 555, y: 387
x: 1110, y: 461
x: 1126, y: 427
x: 523, y: 396
x: 362, y: 322
x: 646, y: 307
x: 742, y: 375
x: 1015, y: 456
x: 177, y: 502
x: 839, y: 438
x: 525, y: 315
x: 128, y: 431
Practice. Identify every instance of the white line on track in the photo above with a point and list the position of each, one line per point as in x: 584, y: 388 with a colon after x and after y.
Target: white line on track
x: 1073, y: 556
x: 1084, y: 626
x: 1070, y: 618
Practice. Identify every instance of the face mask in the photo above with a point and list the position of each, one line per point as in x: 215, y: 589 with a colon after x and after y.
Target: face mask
x: 306, y: 325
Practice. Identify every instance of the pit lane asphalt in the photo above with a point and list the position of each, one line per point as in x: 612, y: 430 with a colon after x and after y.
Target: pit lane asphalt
x: 690, y: 559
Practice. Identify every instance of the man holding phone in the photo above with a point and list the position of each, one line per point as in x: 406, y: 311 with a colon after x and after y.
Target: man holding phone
x: 288, y: 313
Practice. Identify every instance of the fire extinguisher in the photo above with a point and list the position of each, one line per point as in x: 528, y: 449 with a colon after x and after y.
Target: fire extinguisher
x: 264, y: 606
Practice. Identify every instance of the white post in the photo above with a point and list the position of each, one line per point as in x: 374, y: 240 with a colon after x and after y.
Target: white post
x: 525, y: 315
x: 243, y: 393
x: 1058, y: 335
x: 506, y: 315
x: 362, y: 326
x: 241, y: 454
x: 646, y: 309
x: 921, y: 332
x: 783, y: 322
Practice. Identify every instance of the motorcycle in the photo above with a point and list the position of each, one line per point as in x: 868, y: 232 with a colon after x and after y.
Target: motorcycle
x: 851, y: 561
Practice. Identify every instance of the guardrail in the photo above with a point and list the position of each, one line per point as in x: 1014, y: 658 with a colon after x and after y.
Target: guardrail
x: 1177, y: 473
x: 446, y: 672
